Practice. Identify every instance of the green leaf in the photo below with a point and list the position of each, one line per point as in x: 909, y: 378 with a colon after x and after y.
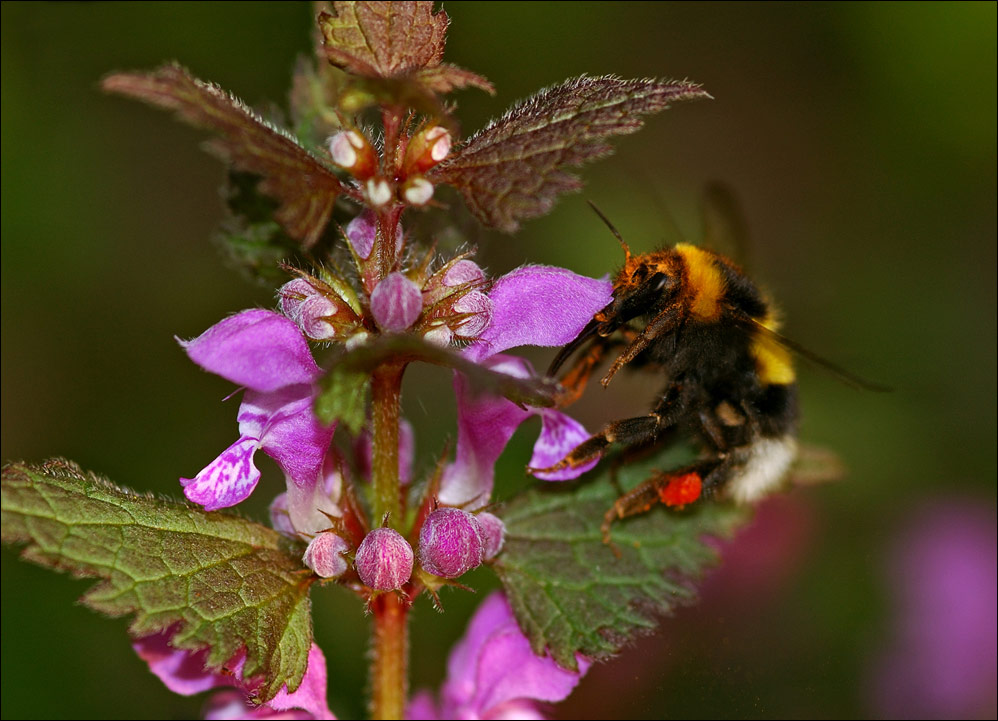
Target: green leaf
x: 571, y: 594
x: 518, y: 165
x: 343, y: 396
x: 219, y: 581
x: 304, y: 186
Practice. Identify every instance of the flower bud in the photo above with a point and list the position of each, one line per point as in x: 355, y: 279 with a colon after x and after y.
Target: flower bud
x: 384, y: 560
x: 450, y: 543
x: 378, y: 192
x: 324, y: 555
x: 439, y: 335
x: 360, y: 234
x: 493, y: 532
x: 292, y: 294
x: 396, y: 303
x: 463, y: 271
x: 351, y: 151
x: 478, y: 304
x: 426, y: 149
x: 417, y: 191
x: 317, y: 311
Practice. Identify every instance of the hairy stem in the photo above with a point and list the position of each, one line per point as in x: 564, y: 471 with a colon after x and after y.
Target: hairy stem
x: 390, y: 657
x: 386, y: 392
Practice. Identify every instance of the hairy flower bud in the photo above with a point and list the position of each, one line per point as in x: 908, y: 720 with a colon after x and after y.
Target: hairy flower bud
x: 450, y: 543
x: 463, y: 271
x: 351, y: 151
x: 396, y: 303
x: 417, y: 191
x: 384, y: 560
x: 324, y: 555
x: 316, y: 309
x: 479, y: 308
x: 493, y: 532
x: 378, y: 192
x: 426, y: 149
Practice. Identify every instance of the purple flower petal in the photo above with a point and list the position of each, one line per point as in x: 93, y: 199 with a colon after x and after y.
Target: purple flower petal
x: 396, y: 303
x: 288, y: 430
x: 258, y: 349
x: 311, y: 694
x: 307, y: 506
x: 184, y: 672
x: 493, y: 673
x: 227, y: 480
x: 485, y: 423
x: 422, y: 707
x: 560, y: 434
x: 539, y: 305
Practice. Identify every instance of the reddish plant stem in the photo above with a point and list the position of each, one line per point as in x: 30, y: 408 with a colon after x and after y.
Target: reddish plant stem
x: 390, y: 656
x: 390, y: 642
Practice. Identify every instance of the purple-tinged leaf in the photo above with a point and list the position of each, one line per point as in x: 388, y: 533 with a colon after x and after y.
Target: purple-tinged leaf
x: 398, y: 47
x: 219, y: 582
x: 384, y: 39
x: 304, y: 186
x: 518, y: 165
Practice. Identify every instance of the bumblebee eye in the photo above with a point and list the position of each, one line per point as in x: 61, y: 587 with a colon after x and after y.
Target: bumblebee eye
x: 662, y: 282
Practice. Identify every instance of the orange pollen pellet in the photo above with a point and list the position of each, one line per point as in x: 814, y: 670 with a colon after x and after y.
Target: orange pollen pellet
x: 681, y: 490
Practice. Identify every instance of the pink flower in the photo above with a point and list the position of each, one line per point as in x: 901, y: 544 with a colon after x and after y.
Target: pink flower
x: 942, y: 659
x: 533, y: 305
x: 492, y: 673
x: 184, y: 673
x: 266, y: 353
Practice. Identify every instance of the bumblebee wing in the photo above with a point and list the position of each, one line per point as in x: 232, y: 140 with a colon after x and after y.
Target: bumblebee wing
x: 725, y: 230
x: 814, y: 465
x: 838, y: 371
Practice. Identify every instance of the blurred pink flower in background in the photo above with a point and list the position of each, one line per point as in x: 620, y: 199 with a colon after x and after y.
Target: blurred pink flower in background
x: 942, y: 658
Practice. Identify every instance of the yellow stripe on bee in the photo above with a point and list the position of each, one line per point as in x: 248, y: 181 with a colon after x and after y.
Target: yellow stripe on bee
x: 772, y: 361
x: 704, y: 281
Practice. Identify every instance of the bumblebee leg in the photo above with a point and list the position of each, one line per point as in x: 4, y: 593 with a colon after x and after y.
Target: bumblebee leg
x: 673, y: 488
x: 628, y: 432
x: 662, y: 323
x: 575, y: 380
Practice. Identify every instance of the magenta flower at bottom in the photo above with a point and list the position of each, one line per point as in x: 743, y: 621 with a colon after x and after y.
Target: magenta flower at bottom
x: 184, y: 672
x: 492, y: 673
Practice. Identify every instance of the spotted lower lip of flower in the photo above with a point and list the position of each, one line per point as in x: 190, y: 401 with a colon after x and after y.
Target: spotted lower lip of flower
x: 266, y: 353
x: 533, y: 305
x: 493, y: 673
x: 184, y: 672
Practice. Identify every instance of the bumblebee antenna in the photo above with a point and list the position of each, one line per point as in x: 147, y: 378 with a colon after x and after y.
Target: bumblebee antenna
x: 616, y: 233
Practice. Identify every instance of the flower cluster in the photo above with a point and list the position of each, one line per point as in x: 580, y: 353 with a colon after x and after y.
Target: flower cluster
x: 268, y: 354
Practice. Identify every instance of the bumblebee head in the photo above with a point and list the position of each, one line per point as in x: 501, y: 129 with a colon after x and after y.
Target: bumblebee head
x: 645, y: 285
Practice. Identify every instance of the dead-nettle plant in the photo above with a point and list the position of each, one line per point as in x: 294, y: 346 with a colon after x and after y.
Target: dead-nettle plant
x: 319, y: 207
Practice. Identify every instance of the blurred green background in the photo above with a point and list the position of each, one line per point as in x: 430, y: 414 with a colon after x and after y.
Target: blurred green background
x: 861, y: 139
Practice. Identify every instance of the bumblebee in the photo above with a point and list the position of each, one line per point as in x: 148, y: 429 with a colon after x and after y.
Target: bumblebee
x: 730, y: 384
